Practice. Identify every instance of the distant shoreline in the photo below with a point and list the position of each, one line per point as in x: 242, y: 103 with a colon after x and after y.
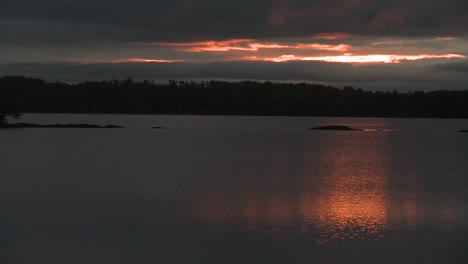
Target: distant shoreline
x: 233, y: 115
x: 221, y: 98
x: 33, y: 125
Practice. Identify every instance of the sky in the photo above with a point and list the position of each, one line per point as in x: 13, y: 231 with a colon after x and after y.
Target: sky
x: 370, y: 44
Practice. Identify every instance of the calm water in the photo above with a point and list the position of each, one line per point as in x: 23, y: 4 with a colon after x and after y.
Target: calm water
x: 234, y: 190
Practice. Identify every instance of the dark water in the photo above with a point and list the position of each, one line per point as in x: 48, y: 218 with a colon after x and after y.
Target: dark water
x: 234, y: 190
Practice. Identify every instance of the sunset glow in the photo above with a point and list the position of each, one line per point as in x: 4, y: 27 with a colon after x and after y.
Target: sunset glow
x: 331, y: 36
x: 249, y: 45
x: 320, y: 47
x: 188, y: 39
x: 350, y: 58
x: 141, y: 60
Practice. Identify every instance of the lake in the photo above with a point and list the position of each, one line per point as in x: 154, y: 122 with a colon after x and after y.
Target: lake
x: 217, y: 189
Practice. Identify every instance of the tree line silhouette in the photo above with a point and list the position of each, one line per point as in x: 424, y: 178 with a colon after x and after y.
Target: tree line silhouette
x: 9, y: 104
x: 24, y: 94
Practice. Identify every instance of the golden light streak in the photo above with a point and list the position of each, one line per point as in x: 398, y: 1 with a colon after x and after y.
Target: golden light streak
x: 340, y: 47
x: 385, y: 42
x: 351, y: 58
x: 248, y: 45
x: 141, y: 60
x: 445, y: 38
x: 331, y: 36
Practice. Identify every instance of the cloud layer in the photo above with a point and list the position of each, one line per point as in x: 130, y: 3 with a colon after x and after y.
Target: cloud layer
x: 404, y: 76
x: 188, y: 20
x: 297, y: 40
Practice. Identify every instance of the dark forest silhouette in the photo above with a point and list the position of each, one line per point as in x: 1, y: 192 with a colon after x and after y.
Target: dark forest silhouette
x: 222, y: 98
x: 9, y: 104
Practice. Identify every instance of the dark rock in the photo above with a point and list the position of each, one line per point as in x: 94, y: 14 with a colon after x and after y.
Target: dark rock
x: 23, y: 125
x: 463, y: 131
x: 29, y: 125
x: 334, y: 127
x: 73, y: 126
x: 113, y: 126
x: 158, y: 127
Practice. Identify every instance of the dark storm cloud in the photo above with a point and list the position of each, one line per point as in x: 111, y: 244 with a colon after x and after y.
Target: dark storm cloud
x: 58, y: 21
x: 404, y: 76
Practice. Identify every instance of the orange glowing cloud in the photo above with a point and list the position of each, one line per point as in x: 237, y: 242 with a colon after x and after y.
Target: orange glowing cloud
x: 445, y: 38
x: 248, y: 45
x: 331, y: 36
x: 341, y: 47
x: 140, y: 60
x: 228, y: 45
x: 350, y: 58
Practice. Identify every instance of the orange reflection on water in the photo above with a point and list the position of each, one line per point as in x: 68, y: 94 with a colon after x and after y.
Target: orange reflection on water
x: 352, y: 198
x: 345, y: 198
x: 352, y: 214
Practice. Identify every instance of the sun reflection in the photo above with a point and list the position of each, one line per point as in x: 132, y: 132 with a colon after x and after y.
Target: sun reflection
x: 351, y: 201
x: 344, y: 199
x: 353, y: 214
x: 344, y: 190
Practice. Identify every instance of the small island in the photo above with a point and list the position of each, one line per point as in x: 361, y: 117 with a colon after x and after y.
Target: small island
x: 463, y: 131
x: 334, y: 127
x: 29, y: 125
x: 10, y: 109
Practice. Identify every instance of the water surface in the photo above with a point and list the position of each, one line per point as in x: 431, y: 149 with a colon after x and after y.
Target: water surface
x: 234, y: 190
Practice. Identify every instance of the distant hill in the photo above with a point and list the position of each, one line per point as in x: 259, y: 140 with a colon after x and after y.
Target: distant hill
x: 228, y: 98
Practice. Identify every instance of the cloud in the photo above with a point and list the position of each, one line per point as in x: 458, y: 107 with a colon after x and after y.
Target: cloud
x: 403, y: 76
x: 58, y: 21
x: 141, y: 60
x: 248, y: 45
x: 70, y: 40
x: 370, y: 58
x: 456, y: 67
